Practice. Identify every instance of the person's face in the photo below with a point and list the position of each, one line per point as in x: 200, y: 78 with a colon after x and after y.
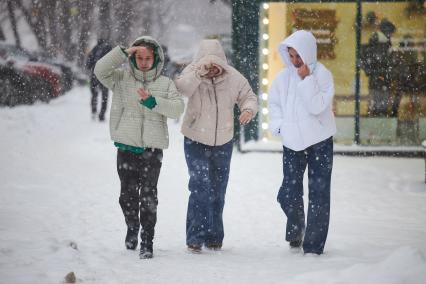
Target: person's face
x: 295, y: 58
x: 144, y: 58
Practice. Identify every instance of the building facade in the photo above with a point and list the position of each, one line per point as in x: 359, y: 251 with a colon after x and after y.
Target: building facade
x: 375, y: 50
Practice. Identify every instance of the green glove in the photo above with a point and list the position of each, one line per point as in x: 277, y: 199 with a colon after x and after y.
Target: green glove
x: 149, y: 102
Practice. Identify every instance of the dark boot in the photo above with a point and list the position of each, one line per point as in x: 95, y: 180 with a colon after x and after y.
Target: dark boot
x: 146, y: 251
x: 295, y: 244
x: 194, y: 248
x: 131, y: 241
x: 146, y: 245
x: 214, y: 246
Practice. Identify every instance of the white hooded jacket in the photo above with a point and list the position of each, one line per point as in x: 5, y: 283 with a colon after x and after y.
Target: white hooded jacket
x: 300, y: 111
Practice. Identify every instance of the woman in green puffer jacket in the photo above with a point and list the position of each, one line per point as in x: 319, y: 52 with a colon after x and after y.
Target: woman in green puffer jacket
x: 141, y: 103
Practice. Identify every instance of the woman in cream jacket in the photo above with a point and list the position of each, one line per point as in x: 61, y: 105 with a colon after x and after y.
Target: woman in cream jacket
x: 213, y: 88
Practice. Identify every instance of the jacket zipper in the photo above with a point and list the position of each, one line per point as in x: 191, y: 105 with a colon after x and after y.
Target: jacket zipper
x: 217, y: 111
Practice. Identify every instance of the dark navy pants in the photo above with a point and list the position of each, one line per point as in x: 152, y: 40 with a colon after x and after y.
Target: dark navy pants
x: 319, y: 159
x: 208, y: 168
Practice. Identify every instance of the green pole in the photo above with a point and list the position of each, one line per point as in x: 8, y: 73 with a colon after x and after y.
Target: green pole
x: 357, y: 71
x: 245, y: 43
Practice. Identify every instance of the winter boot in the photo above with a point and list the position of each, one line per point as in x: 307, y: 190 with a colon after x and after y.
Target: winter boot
x: 131, y: 241
x: 146, y: 251
x: 146, y: 245
x: 194, y: 248
x: 214, y: 246
x: 295, y: 244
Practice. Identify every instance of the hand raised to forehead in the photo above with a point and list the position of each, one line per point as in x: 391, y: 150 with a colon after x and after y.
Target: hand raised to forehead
x: 137, y: 49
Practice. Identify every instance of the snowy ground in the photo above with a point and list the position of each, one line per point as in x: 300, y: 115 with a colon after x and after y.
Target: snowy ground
x: 59, y: 189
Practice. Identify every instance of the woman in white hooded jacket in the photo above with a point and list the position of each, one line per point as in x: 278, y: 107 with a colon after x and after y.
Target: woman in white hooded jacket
x: 300, y: 109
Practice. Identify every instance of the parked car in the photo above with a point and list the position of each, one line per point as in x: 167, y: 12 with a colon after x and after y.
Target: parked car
x: 15, y: 86
x: 67, y: 77
x: 46, y: 80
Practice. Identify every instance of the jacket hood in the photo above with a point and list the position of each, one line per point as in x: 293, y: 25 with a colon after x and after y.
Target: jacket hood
x: 211, y: 48
x: 155, y: 72
x: 306, y: 46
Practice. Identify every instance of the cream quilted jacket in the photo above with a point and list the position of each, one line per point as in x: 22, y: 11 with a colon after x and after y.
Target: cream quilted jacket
x: 209, y: 116
x: 131, y: 123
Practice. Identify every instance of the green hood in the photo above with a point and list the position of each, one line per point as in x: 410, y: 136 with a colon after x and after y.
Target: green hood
x: 157, y: 66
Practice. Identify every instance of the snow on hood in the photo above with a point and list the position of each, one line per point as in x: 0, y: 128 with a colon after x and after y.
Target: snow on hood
x: 211, y: 47
x: 304, y: 43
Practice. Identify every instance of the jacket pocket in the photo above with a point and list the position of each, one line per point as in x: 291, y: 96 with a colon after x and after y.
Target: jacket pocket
x: 320, y: 122
x: 191, y: 119
x: 191, y: 124
x: 290, y: 133
x: 155, y: 133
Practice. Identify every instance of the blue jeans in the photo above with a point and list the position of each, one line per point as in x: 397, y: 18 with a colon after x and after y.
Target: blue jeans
x: 208, y: 168
x: 319, y: 159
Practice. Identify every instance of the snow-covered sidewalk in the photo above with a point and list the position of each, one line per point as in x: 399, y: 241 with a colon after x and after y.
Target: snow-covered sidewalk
x: 59, y: 212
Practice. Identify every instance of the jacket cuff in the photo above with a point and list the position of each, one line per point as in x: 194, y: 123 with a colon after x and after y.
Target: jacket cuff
x: 248, y: 110
x: 124, y: 51
x: 149, y: 102
x: 117, y: 56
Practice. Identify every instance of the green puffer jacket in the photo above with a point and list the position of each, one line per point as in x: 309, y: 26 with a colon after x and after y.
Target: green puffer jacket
x: 132, y: 123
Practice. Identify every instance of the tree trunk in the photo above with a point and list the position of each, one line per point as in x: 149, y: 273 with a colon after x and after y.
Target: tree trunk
x: 162, y: 17
x: 148, y: 19
x: 37, y: 25
x: 124, y: 16
x: 11, y: 11
x: 66, y: 45
x: 85, y: 11
x: 104, y: 20
x: 52, y: 23
x: 2, y: 37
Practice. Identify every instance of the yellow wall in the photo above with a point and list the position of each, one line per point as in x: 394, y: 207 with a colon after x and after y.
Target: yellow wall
x: 277, y: 32
x: 343, y: 66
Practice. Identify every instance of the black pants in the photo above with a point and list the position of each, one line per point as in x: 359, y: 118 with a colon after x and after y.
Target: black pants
x: 138, y: 199
x: 95, y: 87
